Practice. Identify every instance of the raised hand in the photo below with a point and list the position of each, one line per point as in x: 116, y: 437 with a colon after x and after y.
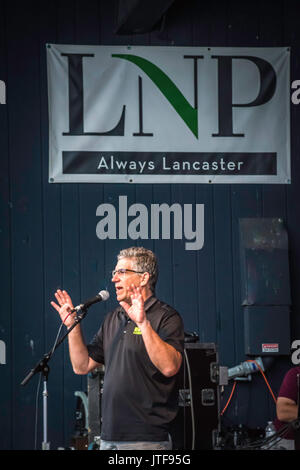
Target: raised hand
x: 136, y: 310
x: 64, y: 307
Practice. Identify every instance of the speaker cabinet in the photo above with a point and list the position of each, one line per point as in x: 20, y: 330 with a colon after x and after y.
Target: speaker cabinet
x: 264, y: 258
x: 197, y: 422
x: 267, y: 330
x: 265, y: 286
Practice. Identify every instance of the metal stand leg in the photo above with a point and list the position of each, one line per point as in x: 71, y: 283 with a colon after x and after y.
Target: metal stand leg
x: 42, y: 366
x: 45, y: 443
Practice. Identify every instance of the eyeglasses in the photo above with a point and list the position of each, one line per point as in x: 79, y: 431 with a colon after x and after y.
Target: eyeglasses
x: 124, y: 271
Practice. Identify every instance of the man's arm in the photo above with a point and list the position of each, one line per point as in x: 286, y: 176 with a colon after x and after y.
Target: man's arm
x: 164, y: 356
x: 81, y: 362
x: 286, y: 409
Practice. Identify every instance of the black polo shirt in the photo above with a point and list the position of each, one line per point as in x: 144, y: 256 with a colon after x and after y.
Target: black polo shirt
x: 138, y: 401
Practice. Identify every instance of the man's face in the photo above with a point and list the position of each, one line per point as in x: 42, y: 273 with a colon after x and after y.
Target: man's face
x: 124, y: 281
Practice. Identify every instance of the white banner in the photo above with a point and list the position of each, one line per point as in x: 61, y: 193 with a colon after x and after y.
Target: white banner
x: 138, y: 114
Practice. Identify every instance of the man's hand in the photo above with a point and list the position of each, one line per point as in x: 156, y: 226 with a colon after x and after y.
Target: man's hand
x: 64, y: 307
x: 81, y: 362
x: 136, y: 310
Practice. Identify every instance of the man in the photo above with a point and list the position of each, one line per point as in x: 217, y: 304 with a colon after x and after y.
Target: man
x: 141, y: 346
x: 287, y: 407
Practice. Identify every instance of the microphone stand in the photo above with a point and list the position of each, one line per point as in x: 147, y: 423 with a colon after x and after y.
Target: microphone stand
x: 43, y: 368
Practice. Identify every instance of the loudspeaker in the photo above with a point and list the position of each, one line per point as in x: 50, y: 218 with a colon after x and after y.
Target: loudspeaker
x: 265, y: 286
x: 265, y: 277
x: 267, y: 330
x: 197, y: 423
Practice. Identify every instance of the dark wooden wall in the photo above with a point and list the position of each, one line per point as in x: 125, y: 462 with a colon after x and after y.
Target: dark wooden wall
x: 48, y: 231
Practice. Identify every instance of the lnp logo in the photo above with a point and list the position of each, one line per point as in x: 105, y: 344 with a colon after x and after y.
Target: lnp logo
x: 168, y: 115
x: 172, y: 93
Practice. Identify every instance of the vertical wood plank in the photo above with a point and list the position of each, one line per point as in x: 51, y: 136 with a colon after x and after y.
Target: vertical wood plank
x: 70, y: 238
x: 27, y: 233
x: 52, y: 245
x: 6, y: 377
x: 185, y: 262
x: 226, y: 328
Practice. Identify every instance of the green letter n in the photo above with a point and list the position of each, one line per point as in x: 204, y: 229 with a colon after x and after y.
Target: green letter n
x: 168, y: 89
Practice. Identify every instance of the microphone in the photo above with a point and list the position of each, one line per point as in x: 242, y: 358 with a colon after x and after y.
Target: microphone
x: 103, y: 295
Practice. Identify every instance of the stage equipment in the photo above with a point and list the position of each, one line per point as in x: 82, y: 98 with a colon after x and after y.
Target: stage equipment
x: 267, y: 330
x: 265, y: 277
x: 79, y: 439
x: 81, y: 414
x: 141, y: 16
x: 245, y: 369
x: 265, y: 286
x: 95, y: 381
x: 197, y: 424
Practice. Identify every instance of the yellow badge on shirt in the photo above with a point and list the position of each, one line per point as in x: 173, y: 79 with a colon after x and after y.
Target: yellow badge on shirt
x: 137, y: 331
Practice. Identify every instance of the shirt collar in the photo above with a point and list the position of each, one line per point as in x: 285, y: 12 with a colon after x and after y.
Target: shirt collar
x: 150, y: 301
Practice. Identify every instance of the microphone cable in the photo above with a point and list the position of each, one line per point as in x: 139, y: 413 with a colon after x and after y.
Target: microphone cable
x: 268, y: 442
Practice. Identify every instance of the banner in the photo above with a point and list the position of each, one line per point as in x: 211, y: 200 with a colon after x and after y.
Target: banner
x: 139, y: 114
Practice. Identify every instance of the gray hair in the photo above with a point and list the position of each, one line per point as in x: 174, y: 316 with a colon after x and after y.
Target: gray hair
x: 143, y: 260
